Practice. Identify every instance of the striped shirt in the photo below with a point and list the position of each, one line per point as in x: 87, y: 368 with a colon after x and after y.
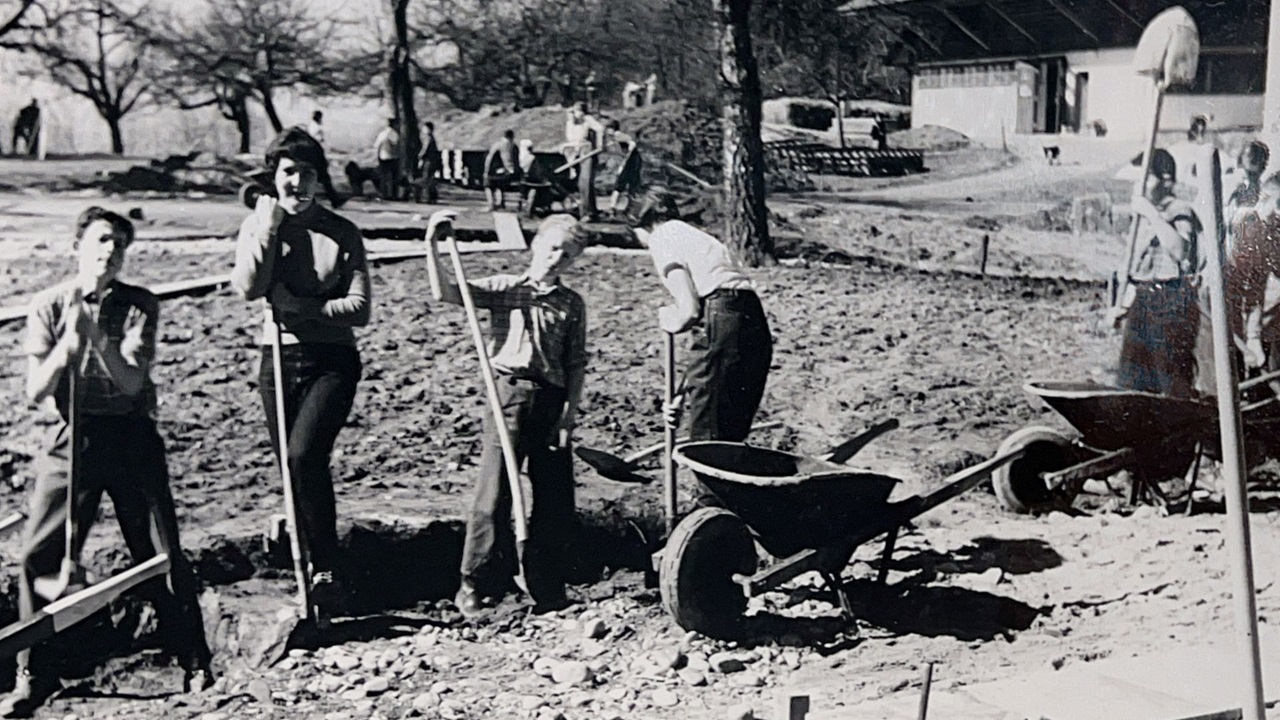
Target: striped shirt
x: 536, y: 332
x: 98, y: 395
x: 677, y: 244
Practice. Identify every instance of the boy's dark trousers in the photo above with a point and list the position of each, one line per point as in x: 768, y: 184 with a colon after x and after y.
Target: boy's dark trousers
x: 125, y: 457
x: 389, y: 179
x: 532, y: 411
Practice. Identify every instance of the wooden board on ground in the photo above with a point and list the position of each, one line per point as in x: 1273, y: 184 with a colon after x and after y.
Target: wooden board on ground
x: 65, y: 612
x: 510, y: 234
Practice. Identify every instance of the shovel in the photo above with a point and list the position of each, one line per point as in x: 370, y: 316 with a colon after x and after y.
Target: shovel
x: 495, y: 404
x: 47, y: 587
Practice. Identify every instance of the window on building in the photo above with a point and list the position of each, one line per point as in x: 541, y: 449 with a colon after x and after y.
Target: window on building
x: 1236, y: 74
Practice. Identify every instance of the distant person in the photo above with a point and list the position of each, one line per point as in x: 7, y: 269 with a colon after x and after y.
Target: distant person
x: 27, y: 129
x: 387, y: 148
x: 584, y: 135
x: 429, y: 164
x: 1160, y: 312
x: 527, y: 156
x: 878, y: 135
x: 501, y: 169
x: 1253, y: 255
x: 107, y: 330
x: 315, y: 128
x: 627, y: 181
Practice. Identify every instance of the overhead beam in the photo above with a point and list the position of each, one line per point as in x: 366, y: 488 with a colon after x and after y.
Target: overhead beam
x: 1124, y: 13
x: 1014, y: 23
x: 1074, y: 20
x: 946, y: 13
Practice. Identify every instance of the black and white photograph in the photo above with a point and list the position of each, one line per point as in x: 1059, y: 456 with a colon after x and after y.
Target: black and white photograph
x: 640, y: 359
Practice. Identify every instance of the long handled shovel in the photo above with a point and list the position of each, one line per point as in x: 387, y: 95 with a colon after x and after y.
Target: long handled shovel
x: 495, y: 404
x: 1168, y: 52
x: 297, y: 543
x: 51, y: 588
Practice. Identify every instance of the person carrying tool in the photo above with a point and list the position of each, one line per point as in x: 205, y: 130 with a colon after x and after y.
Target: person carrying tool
x: 715, y: 300
x: 104, y: 332
x: 538, y: 352
x: 583, y: 135
x: 627, y: 181
x: 1160, y: 312
x: 501, y: 169
x: 309, y: 265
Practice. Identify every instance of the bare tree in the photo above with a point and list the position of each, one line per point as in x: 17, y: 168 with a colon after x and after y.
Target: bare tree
x: 18, y: 15
x: 399, y: 85
x: 242, y: 50
x: 746, y: 223
x: 88, y: 47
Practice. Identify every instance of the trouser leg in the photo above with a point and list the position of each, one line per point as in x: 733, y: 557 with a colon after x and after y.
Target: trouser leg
x: 145, y: 509
x: 552, y: 519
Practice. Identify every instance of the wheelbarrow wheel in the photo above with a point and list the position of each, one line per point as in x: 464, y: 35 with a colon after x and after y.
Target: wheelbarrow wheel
x: 1018, y: 485
x: 696, y: 573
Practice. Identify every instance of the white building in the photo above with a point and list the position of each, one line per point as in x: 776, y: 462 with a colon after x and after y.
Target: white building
x: 992, y: 68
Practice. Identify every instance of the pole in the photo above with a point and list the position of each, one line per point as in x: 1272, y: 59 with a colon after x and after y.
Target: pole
x: 1139, y: 190
x: 297, y: 543
x: 669, y: 432
x: 1233, y: 467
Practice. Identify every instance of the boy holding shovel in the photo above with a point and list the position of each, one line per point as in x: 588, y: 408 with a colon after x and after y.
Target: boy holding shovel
x: 95, y: 336
x: 537, y: 349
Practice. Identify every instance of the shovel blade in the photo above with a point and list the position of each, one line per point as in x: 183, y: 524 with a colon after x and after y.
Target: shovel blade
x: 611, y: 466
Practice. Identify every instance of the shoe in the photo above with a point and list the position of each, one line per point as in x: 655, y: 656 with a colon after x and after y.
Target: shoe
x: 198, y: 679
x: 328, y: 593
x: 468, y: 600
x: 29, y: 693
x: 553, y: 602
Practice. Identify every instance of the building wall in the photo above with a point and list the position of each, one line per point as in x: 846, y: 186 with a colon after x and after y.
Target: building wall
x: 980, y: 101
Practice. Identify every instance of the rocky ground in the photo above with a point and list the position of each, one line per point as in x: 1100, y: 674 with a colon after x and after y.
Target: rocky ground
x: 863, y: 334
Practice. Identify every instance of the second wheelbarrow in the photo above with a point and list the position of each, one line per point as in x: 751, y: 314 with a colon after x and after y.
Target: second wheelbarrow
x: 806, y: 513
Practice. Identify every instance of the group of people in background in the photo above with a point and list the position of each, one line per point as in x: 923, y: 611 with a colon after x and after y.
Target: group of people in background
x: 308, y: 268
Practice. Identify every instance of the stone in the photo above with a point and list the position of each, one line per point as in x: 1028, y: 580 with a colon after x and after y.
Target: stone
x: 696, y: 661
x: 346, y: 662
x: 259, y: 690
x: 791, y: 659
x: 749, y: 679
x: 388, y: 657
x: 440, y: 687
x: 425, y: 701
x: 571, y: 672
x: 544, y: 666
x: 452, y: 709
x: 298, y: 653
x: 740, y: 712
x: 531, y: 702
x: 669, y: 659
x: 664, y: 698
x: 725, y: 662
x: 593, y: 648
x: 362, y: 708
x: 330, y: 683
x: 594, y: 629
x: 696, y: 678
x: 353, y: 694
x: 377, y: 686
x: 579, y: 699
x: 369, y: 660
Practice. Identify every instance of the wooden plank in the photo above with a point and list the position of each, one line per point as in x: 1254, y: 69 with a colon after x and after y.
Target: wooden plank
x: 11, y: 523
x: 66, y: 612
x: 510, y: 234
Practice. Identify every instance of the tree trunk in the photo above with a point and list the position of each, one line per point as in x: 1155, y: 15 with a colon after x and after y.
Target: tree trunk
x: 400, y: 86
x: 117, y: 138
x: 240, y: 115
x: 839, y: 120
x: 746, y: 223
x: 269, y: 105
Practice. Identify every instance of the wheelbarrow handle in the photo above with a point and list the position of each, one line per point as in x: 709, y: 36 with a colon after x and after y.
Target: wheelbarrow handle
x: 954, y: 486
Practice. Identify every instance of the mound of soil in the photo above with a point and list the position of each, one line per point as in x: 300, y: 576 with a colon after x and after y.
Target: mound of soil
x: 929, y: 137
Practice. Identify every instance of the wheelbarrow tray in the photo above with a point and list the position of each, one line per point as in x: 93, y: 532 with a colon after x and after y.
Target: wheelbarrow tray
x: 788, y: 502
x: 1112, y: 418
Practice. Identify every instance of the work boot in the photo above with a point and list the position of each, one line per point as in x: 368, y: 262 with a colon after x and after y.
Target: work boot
x: 468, y: 600
x: 29, y: 693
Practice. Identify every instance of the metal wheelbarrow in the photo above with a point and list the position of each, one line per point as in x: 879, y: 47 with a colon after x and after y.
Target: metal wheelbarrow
x: 806, y: 513
x: 1154, y: 436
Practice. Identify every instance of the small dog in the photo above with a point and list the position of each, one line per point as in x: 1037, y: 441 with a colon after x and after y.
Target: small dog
x: 1051, y: 153
x: 358, y: 176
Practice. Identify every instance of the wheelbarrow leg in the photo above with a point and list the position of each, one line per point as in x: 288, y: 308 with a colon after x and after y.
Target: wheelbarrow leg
x: 1193, y: 476
x: 836, y: 584
x: 891, y: 538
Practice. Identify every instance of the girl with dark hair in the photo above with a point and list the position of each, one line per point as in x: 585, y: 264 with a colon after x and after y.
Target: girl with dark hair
x: 309, y: 265
x: 715, y: 300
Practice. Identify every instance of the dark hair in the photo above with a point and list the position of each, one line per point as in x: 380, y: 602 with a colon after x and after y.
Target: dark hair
x: 657, y: 204
x: 1198, y: 122
x: 317, y: 115
x: 430, y: 125
x: 1162, y: 164
x: 1256, y: 153
x: 297, y: 145
x: 613, y: 124
x: 118, y: 222
x: 509, y: 134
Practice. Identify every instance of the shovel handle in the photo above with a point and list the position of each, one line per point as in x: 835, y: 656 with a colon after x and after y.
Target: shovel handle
x: 297, y: 545
x: 669, y: 431
x: 491, y: 388
x: 1139, y: 189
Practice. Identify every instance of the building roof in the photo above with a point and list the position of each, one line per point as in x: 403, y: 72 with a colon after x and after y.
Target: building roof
x: 972, y: 29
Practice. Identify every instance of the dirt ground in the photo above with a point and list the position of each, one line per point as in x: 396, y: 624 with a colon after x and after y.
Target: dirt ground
x: 878, y: 313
